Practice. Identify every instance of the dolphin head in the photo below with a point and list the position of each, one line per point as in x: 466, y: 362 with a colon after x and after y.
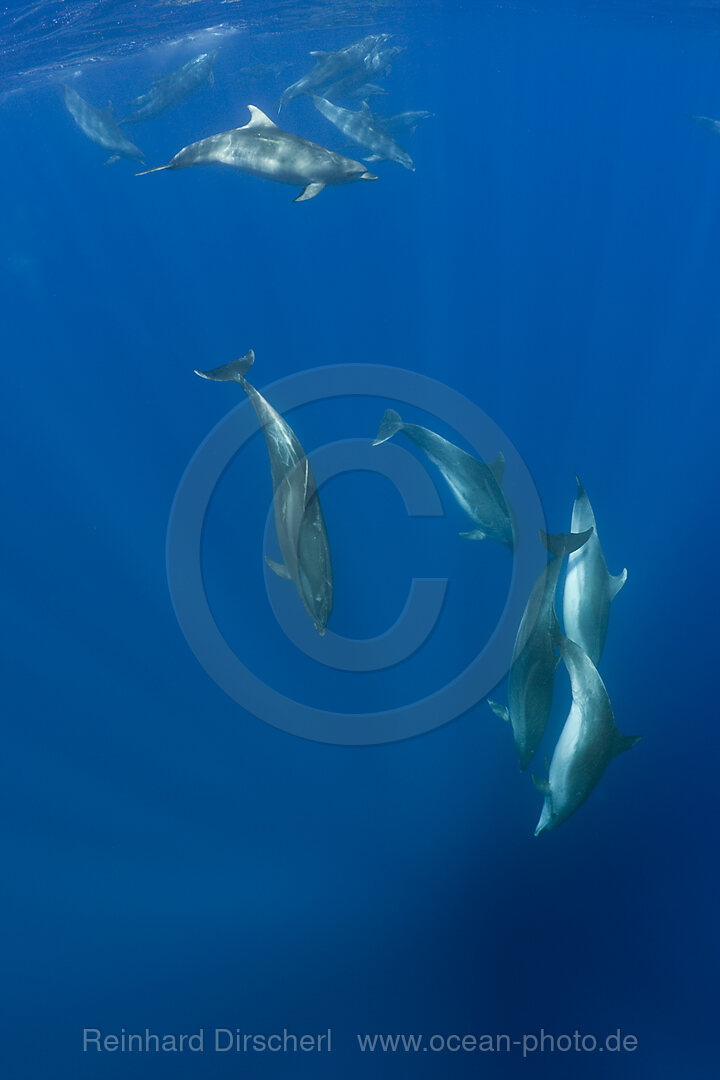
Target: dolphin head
x: 404, y: 159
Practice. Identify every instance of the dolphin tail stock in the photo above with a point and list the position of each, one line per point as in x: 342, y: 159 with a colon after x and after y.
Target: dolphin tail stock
x: 390, y: 424
x: 232, y: 372
x: 500, y: 710
x: 616, y: 583
x: 561, y: 544
x: 158, y: 168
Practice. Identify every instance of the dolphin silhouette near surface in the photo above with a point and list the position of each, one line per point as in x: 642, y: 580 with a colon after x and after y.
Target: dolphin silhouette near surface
x: 174, y: 88
x: 589, y: 587
x: 101, y: 127
x: 299, y: 518
x: 475, y: 485
x: 587, y: 744
x: 534, y: 660
x: 262, y: 149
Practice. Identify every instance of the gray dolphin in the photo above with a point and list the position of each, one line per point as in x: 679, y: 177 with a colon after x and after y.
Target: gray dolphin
x: 299, y: 519
x: 362, y: 129
x: 262, y: 149
x: 402, y: 123
x: 173, y: 89
x: 533, y: 665
x: 100, y: 126
x: 588, y: 742
x: 331, y: 66
x: 589, y: 587
x: 377, y: 64
x: 476, y: 486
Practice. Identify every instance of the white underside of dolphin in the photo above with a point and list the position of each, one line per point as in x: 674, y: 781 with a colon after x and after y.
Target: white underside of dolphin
x: 588, y: 742
x: 589, y: 587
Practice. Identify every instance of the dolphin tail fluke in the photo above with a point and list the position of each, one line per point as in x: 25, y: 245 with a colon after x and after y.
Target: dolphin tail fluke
x: 500, y: 710
x: 158, y: 168
x: 233, y: 372
x: 616, y: 583
x: 562, y: 544
x: 390, y: 424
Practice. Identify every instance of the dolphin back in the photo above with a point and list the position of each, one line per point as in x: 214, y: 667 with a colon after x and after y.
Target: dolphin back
x: 233, y: 372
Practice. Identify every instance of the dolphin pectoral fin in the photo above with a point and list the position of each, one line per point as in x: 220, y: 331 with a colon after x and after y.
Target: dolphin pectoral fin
x: 112, y: 159
x: 616, y: 583
x: 390, y: 424
x: 500, y: 710
x: 373, y: 157
x: 279, y: 569
x: 310, y: 191
x: 497, y: 468
x: 211, y: 79
x: 475, y: 534
x: 625, y: 742
x: 541, y: 785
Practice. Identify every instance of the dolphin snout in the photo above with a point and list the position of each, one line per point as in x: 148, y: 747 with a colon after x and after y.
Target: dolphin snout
x: 368, y: 176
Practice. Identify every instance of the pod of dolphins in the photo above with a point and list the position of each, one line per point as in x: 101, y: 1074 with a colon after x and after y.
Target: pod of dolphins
x: 589, y: 738
x: 261, y: 148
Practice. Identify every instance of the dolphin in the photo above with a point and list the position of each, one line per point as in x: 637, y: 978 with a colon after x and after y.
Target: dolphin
x: 706, y: 122
x: 258, y: 71
x: 587, y: 743
x: 299, y: 519
x: 331, y: 66
x: 100, y: 126
x: 361, y: 128
x: 173, y: 89
x: 533, y: 665
x: 589, y: 587
x: 476, y: 486
x: 402, y: 123
x: 262, y: 149
x: 377, y: 64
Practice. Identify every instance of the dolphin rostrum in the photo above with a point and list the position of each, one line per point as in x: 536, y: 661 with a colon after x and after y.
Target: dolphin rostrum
x: 475, y: 485
x: 587, y: 743
x: 332, y: 66
x: 362, y: 129
x: 173, y: 89
x: 533, y: 665
x: 262, y: 149
x: 589, y: 587
x: 299, y: 519
x: 100, y: 126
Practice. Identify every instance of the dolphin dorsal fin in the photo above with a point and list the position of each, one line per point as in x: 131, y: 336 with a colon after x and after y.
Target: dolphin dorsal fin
x: 109, y: 111
x: 258, y: 119
x: 365, y: 109
x: 497, y: 468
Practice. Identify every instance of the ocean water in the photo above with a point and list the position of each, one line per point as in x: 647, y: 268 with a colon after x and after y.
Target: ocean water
x: 172, y: 862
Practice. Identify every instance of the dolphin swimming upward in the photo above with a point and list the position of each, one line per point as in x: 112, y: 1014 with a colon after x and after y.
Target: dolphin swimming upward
x: 173, y: 89
x: 589, y: 587
x: 588, y: 742
x: 362, y: 128
x: 532, y: 670
x: 100, y: 126
x: 262, y: 149
x: 476, y: 486
x: 299, y: 519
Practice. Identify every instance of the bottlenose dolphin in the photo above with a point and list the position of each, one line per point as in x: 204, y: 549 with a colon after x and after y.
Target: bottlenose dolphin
x: 587, y: 743
x: 262, y: 149
x: 377, y: 64
x: 299, y: 519
x: 331, y: 66
x: 173, y: 89
x: 362, y: 129
x: 533, y: 665
x: 476, y: 486
x: 589, y: 587
x: 402, y: 123
x: 100, y: 126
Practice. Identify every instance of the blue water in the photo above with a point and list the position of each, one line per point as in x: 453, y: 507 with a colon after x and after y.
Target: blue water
x: 171, y: 861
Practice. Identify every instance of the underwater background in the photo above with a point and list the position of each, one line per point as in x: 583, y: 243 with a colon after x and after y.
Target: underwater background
x: 171, y: 862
